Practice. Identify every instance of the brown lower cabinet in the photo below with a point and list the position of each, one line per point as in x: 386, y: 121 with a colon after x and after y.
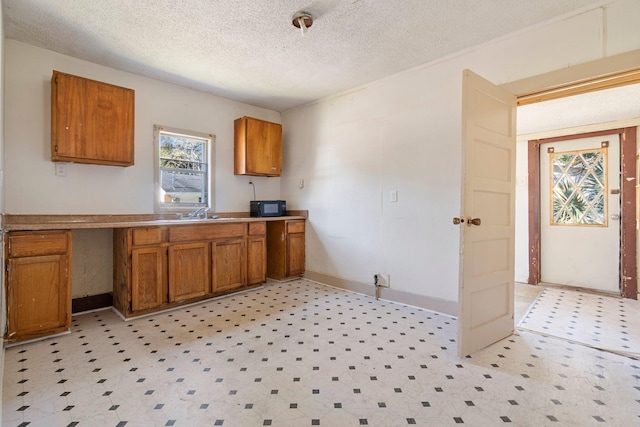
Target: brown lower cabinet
x: 228, y: 265
x: 257, y: 253
x: 286, y: 248
x: 160, y: 267
x: 38, y: 283
x: 189, y: 270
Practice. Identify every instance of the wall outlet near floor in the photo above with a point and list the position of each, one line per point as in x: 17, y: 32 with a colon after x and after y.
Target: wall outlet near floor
x: 381, y: 279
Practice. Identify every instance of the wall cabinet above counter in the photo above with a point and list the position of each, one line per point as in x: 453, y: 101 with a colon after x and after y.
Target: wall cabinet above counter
x: 91, y: 122
x: 257, y: 147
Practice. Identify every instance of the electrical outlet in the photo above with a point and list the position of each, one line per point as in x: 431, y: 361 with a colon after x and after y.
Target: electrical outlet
x: 381, y: 279
x: 61, y: 169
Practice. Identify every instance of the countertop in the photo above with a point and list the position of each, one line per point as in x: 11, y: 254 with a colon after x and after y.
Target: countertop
x: 12, y: 222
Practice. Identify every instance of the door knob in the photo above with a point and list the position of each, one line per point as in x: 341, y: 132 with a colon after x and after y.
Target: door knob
x: 457, y: 220
x: 473, y: 221
x: 615, y: 216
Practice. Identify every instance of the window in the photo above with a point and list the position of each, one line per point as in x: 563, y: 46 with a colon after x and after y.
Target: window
x: 182, y: 169
x: 579, y: 187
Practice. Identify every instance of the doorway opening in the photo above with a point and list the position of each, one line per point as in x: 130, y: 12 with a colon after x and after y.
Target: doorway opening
x: 596, y: 106
x: 625, y: 262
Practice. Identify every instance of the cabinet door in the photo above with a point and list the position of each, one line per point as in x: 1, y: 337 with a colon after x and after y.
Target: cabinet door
x: 264, y: 147
x: 228, y: 264
x: 38, y: 300
x: 188, y: 271
x: 295, y: 254
x: 258, y: 147
x: 256, y: 260
x: 91, y: 122
x: 147, y: 274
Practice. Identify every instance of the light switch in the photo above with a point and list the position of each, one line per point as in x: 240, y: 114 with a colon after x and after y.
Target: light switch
x: 393, y: 196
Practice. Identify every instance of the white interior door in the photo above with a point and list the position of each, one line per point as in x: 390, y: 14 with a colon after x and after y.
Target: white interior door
x: 580, y: 213
x: 488, y: 214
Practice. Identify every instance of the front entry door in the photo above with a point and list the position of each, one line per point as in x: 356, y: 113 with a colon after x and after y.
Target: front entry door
x: 487, y: 220
x: 580, y: 213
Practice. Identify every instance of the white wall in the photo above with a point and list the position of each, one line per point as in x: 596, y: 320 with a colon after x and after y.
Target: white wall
x: 31, y: 187
x: 404, y: 133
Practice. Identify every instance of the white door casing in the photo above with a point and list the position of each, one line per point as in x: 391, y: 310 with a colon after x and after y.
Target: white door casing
x: 486, y: 279
x: 586, y: 256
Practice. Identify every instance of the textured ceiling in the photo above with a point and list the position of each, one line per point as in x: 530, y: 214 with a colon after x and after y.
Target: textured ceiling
x: 604, y: 106
x: 248, y: 50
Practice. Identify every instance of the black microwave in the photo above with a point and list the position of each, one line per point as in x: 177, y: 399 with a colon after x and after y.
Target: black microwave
x: 262, y: 208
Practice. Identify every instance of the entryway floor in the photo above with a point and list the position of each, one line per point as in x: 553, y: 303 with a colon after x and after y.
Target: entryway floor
x: 304, y: 354
x: 599, y: 321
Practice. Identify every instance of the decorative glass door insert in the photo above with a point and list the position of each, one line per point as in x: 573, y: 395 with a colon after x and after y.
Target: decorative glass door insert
x: 579, y: 187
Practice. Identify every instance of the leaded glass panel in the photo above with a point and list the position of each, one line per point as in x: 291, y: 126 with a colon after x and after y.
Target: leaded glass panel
x: 579, y: 187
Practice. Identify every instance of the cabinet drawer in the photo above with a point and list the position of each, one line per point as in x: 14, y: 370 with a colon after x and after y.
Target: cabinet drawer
x: 188, y: 233
x: 257, y: 228
x: 295, y: 226
x: 39, y: 243
x: 147, y: 236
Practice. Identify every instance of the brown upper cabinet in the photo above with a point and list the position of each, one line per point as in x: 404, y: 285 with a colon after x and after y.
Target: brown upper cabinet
x: 91, y: 122
x: 258, y: 147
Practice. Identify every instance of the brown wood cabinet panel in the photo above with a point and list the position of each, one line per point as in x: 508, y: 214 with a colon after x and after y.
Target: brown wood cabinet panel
x: 188, y: 271
x: 147, y: 276
x: 257, y: 147
x: 38, y: 283
x: 286, y: 249
x: 256, y: 260
x: 257, y: 228
x: 122, y: 270
x: 148, y: 236
x: 277, y: 249
x: 295, y: 254
x: 200, y: 232
x: 295, y: 226
x: 91, y: 121
x: 228, y: 264
x: 38, y: 296
x: 32, y: 243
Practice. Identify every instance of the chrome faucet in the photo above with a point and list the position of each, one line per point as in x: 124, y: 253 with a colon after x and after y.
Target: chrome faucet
x: 200, y: 212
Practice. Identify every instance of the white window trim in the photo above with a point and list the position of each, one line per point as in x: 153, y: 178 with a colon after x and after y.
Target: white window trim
x: 160, y: 207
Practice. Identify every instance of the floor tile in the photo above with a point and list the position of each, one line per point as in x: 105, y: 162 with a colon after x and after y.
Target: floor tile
x: 301, y: 353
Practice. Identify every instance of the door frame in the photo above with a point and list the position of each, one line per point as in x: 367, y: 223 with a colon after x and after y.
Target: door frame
x: 628, y: 250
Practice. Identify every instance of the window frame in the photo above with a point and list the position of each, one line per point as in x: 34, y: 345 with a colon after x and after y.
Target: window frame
x: 159, y: 205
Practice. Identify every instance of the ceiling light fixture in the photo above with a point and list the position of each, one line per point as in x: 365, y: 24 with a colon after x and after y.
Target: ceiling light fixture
x: 302, y: 20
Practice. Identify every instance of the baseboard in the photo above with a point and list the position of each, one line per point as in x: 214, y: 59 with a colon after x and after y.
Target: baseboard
x: 92, y: 302
x: 428, y: 303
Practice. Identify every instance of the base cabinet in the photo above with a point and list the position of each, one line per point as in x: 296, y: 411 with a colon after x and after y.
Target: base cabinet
x: 147, y: 277
x: 38, y: 284
x: 257, y: 253
x: 286, y: 249
x: 188, y: 271
x: 228, y: 265
x: 161, y: 267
